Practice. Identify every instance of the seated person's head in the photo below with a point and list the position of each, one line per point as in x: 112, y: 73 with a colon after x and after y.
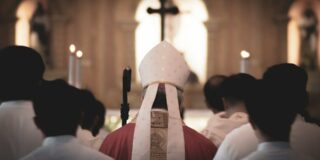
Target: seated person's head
x: 281, y: 96
x: 57, y: 108
x: 293, y: 82
x: 93, y: 114
x: 21, y: 70
x: 235, y: 90
x: 212, y: 93
x: 270, y: 119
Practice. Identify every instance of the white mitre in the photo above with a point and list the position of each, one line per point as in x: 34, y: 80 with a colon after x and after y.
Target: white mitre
x: 163, y: 64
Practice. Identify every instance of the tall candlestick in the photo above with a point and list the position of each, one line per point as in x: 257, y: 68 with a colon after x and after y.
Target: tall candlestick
x: 71, y: 72
x: 79, y: 55
x: 244, y: 64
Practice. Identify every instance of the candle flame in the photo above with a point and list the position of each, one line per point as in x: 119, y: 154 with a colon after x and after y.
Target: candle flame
x: 245, y: 54
x: 79, y: 54
x: 72, y: 48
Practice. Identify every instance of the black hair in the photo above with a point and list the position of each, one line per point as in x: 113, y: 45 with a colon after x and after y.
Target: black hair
x: 21, y: 70
x: 93, y: 113
x: 293, y: 83
x: 265, y: 106
x: 236, y: 88
x: 212, y: 92
x: 101, y: 110
x: 57, y: 108
x: 279, y: 98
x: 161, y: 100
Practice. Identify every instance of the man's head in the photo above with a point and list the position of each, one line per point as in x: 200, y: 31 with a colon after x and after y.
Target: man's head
x: 276, y: 100
x: 57, y: 108
x: 267, y: 114
x: 235, y: 90
x: 21, y: 70
x: 292, y: 81
x: 93, y: 114
x: 212, y: 93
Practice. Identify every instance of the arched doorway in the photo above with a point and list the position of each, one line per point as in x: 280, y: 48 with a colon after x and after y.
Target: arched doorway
x: 32, y: 27
x: 24, y: 12
x: 186, y: 31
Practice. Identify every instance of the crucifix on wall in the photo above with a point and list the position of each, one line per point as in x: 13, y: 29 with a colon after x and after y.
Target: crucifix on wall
x: 186, y: 31
x: 163, y: 11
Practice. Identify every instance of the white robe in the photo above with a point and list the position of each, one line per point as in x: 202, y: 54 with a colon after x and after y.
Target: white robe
x: 64, y: 148
x: 218, y: 126
x: 275, y: 151
x: 86, y: 138
x: 304, y: 137
x: 18, y: 133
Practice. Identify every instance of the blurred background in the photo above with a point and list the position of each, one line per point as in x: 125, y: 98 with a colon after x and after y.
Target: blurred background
x: 211, y: 34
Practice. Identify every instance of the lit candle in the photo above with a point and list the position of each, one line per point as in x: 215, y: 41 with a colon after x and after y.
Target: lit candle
x: 79, y: 55
x: 72, y: 49
x: 244, y: 64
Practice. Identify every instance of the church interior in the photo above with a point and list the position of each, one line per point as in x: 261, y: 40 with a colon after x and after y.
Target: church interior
x: 215, y: 37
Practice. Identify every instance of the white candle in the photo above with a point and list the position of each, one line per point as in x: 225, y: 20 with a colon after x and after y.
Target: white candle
x: 72, y: 49
x: 79, y: 55
x: 244, y: 64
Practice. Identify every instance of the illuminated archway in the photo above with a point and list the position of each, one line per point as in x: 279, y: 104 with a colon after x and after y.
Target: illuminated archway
x: 186, y: 31
x: 22, y: 29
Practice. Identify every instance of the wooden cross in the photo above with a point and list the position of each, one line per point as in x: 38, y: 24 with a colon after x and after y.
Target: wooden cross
x: 163, y: 11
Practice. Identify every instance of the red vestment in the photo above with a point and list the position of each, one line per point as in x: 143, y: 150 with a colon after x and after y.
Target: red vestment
x: 118, y: 144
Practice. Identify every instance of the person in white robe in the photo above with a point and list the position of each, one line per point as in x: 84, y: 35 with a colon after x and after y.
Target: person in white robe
x: 275, y: 151
x: 233, y: 92
x: 58, y: 114
x: 21, y: 71
x: 304, y: 136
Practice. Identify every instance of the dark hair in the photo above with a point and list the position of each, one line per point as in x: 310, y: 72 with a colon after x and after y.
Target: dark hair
x: 279, y: 98
x: 236, y: 88
x: 21, y: 70
x: 101, y: 110
x: 93, y: 112
x: 266, y: 112
x: 57, y: 108
x: 161, y: 100
x: 292, y: 81
x: 212, y: 92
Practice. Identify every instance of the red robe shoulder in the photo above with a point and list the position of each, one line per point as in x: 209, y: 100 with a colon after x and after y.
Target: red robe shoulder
x: 118, y: 144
